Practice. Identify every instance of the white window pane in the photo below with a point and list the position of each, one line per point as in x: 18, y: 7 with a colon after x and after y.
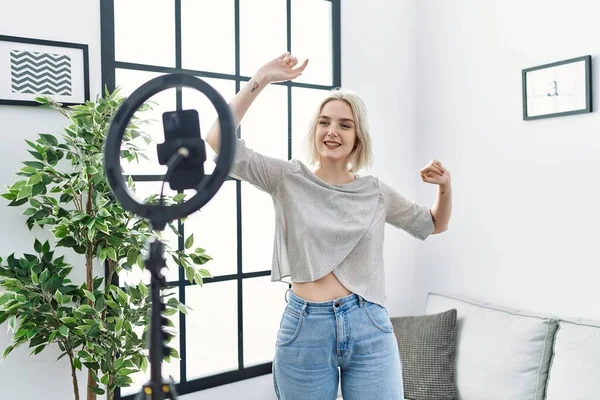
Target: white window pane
x: 215, y: 230
x: 193, y: 99
x: 170, y: 369
x: 312, y: 39
x: 258, y: 229
x: 264, y: 127
x: 162, y: 102
x: 305, y: 103
x: 208, y: 35
x: 148, y: 36
x: 142, y: 191
x: 264, y: 302
x: 211, y: 329
x: 263, y: 33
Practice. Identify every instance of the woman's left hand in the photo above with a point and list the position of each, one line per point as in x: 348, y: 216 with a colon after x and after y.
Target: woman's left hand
x: 435, y: 173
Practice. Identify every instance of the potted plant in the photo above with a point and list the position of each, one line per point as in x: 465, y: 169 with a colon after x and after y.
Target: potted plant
x: 63, y: 189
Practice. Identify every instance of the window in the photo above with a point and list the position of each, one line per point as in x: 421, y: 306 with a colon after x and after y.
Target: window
x: 230, y: 333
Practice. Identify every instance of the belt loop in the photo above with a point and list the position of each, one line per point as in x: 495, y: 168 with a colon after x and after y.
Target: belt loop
x: 360, y: 301
x: 304, y: 308
x: 285, y: 295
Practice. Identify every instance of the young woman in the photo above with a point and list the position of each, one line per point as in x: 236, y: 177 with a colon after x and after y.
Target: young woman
x: 329, y: 240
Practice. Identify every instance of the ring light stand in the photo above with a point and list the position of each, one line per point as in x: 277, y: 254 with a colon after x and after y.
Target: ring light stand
x: 184, y: 154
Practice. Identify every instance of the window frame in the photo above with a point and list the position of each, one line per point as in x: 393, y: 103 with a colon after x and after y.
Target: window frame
x: 109, y: 67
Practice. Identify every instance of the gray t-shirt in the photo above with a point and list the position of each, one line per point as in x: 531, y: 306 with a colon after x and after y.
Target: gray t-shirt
x: 321, y: 227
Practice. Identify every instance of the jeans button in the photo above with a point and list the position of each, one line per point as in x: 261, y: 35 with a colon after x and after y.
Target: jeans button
x: 337, y: 304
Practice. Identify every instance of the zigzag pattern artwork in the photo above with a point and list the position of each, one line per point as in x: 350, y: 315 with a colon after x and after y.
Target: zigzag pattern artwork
x: 40, y: 73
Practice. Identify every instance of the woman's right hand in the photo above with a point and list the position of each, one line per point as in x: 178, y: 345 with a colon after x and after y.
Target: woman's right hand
x: 282, y: 68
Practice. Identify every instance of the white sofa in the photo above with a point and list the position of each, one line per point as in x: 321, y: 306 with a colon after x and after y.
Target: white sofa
x: 502, y: 353
x: 507, y: 354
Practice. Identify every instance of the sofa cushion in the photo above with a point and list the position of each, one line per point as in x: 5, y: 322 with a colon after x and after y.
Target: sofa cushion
x: 575, y: 367
x: 427, y: 347
x: 501, y: 353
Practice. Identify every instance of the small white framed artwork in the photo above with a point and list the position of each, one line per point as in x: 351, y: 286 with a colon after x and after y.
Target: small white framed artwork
x: 558, y: 89
x: 31, y: 68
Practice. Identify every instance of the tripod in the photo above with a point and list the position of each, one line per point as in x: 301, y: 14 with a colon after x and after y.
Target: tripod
x: 157, y: 388
x: 184, y: 154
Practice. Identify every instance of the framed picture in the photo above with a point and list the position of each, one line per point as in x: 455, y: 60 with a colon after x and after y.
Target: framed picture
x: 30, y: 68
x: 557, y: 89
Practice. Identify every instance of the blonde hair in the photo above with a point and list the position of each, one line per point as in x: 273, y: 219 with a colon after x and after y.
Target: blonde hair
x: 361, y: 156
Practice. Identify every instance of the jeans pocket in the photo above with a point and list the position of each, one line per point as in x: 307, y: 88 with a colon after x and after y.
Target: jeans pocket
x: 379, y: 317
x: 289, y: 328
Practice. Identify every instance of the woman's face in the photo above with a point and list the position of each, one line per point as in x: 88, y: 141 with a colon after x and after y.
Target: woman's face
x: 335, y: 133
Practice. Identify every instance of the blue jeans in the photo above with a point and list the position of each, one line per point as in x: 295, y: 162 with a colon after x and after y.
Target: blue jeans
x: 318, y: 340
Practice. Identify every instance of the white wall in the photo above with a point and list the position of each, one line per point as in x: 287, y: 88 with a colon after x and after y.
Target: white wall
x: 379, y: 62
x: 50, y: 21
x: 524, y: 229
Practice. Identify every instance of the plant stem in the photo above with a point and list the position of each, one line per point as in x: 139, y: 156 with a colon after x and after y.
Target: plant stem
x: 89, y: 255
x: 73, y: 374
x: 110, y: 393
x: 66, y: 344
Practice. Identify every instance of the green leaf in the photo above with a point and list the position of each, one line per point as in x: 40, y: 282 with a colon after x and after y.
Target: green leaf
x: 91, y: 233
x: 5, y: 298
x: 182, y: 309
x: 97, y: 390
x: 205, y: 273
x: 89, y: 295
x: 67, y: 242
x: 8, y: 350
x: 34, y: 164
x: 118, y: 325
x: 38, y: 350
x: 170, y: 311
x: 111, y: 253
x: 46, y: 247
x: 77, y: 363
x: 68, y: 320
x: 28, y: 171
x: 44, y: 276
x: 64, y: 331
x: 35, y: 179
x: 84, y: 354
x: 37, y: 245
x: 84, y: 308
x: 38, y: 189
x: 34, y: 278
x: 9, y: 196
x: 100, y: 304
x: 24, y: 192
x: 132, y: 255
x: 17, y: 203
x: 143, y: 289
x: 179, y: 197
x: 189, y: 242
x: 49, y: 139
x: 30, y: 211
x: 174, y: 353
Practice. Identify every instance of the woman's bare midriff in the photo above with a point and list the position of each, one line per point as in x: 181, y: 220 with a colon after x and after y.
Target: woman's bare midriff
x: 325, y: 289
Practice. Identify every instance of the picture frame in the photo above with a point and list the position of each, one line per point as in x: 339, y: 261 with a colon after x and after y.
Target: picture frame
x: 31, y: 68
x: 557, y: 89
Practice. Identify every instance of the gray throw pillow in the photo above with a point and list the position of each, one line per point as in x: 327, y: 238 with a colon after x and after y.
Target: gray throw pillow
x: 427, y: 347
